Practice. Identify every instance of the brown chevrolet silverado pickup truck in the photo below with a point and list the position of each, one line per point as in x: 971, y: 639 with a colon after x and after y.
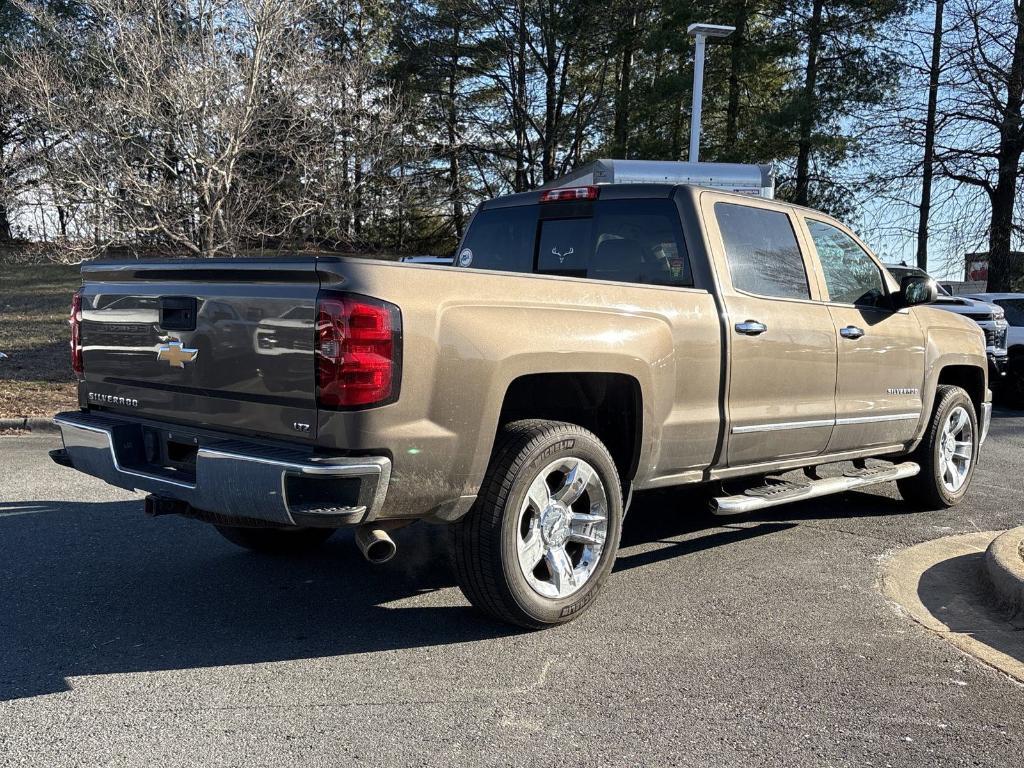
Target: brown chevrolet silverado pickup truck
x: 587, y: 343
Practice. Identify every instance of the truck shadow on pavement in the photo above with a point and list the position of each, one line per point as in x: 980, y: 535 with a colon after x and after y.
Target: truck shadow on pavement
x: 97, y: 588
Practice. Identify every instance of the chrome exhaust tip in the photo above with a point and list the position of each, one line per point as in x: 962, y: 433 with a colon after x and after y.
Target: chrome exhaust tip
x: 375, y: 544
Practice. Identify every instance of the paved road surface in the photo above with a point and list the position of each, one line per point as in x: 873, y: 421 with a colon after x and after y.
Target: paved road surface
x: 765, y: 641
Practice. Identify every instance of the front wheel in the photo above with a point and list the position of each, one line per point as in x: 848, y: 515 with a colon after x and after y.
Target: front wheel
x: 276, y: 541
x: 946, y: 454
x: 541, y: 539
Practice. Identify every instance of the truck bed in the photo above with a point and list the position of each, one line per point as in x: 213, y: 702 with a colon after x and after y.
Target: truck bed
x: 466, y: 337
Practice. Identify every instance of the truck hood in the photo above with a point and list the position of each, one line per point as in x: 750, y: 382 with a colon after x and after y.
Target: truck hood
x: 972, y: 308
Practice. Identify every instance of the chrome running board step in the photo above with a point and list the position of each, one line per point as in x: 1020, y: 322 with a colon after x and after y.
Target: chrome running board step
x: 776, y: 491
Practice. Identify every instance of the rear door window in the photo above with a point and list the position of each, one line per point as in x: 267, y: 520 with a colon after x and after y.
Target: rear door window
x: 762, y: 251
x: 500, y: 239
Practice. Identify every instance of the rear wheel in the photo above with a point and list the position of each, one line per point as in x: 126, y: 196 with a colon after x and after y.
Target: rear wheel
x: 276, y: 541
x: 542, y: 537
x: 946, y: 454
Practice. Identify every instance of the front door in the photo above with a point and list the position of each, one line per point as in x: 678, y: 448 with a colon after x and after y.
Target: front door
x: 881, y: 350
x: 782, y: 347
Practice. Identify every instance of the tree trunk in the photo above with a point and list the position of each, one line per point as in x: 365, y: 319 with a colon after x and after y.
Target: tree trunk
x: 400, y: 234
x: 357, y: 197
x: 5, y: 219
x: 550, y: 138
x: 809, y: 112
x: 357, y: 164
x: 1001, y: 269
x: 928, y: 161
x: 521, y: 182
x: 5, y: 223
x: 454, y: 170
x: 622, y: 108
x: 344, y: 225
x: 737, y: 42
x: 676, y: 148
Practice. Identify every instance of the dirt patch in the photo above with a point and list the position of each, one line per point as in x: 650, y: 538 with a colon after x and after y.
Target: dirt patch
x: 36, y: 377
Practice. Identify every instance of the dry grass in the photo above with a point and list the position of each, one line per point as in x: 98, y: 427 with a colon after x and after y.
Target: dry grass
x: 36, y: 377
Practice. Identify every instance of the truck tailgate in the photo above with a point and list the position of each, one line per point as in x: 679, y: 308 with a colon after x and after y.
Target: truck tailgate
x: 224, y: 344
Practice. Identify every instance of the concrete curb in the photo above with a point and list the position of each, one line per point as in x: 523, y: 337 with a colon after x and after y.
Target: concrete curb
x: 32, y: 424
x: 1006, y: 569
x: 956, y: 601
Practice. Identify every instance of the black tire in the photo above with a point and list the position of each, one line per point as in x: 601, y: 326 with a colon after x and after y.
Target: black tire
x: 927, y: 490
x: 276, y: 541
x: 485, y: 541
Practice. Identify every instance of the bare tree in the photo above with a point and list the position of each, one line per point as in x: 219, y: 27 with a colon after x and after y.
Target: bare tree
x: 928, y: 160
x: 202, y: 127
x: 982, y: 141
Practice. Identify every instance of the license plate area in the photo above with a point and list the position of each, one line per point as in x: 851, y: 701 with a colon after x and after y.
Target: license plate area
x: 170, y: 453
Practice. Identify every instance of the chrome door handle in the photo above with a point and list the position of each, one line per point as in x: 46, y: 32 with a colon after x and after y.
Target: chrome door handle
x: 851, y: 332
x: 751, y: 328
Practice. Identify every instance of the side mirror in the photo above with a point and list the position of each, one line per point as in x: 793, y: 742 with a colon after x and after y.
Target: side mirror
x: 915, y: 289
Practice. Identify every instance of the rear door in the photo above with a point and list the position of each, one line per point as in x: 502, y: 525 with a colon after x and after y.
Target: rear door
x: 782, y: 346
x: 226, y: 345
x: 881, y: 350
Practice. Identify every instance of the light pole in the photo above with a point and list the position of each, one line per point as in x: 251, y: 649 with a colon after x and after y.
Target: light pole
x: 701, y: 32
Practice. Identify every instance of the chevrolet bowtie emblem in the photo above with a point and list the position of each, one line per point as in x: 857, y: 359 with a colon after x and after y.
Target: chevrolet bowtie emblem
x: 175, y: 354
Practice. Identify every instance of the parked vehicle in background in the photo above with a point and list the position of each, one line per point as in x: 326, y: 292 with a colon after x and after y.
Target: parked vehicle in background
x: 744, y: 179
x: 592, y: 341
x: 990, y: 317
x: 1013, y: 305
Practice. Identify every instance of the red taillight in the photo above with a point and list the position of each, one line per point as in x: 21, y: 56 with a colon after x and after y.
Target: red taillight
x: 357, y: 351
x: 572, y: 193
x: 75, y: 320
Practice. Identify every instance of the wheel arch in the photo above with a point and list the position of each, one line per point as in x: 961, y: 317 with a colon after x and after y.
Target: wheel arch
x: 970, y: 378
x: 608, y: 404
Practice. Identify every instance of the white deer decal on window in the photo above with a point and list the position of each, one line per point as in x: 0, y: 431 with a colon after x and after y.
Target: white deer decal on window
x: 561, y: 256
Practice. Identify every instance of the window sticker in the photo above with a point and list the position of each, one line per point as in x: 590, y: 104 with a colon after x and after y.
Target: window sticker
x: 466, y: 257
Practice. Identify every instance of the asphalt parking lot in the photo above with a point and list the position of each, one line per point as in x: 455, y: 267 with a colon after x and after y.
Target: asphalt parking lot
x: 765, y: 640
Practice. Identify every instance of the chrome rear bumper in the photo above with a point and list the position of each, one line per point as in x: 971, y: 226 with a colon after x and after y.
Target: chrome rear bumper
x: 231, y: 477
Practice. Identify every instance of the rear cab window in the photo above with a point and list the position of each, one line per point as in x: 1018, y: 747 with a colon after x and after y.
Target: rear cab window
x: 633, y: 241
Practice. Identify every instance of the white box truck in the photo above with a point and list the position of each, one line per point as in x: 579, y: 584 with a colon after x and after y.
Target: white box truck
x: 756, y: 180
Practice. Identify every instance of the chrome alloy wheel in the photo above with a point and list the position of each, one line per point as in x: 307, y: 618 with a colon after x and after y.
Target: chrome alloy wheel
x: 562, y: 527
x: 956, y: 449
